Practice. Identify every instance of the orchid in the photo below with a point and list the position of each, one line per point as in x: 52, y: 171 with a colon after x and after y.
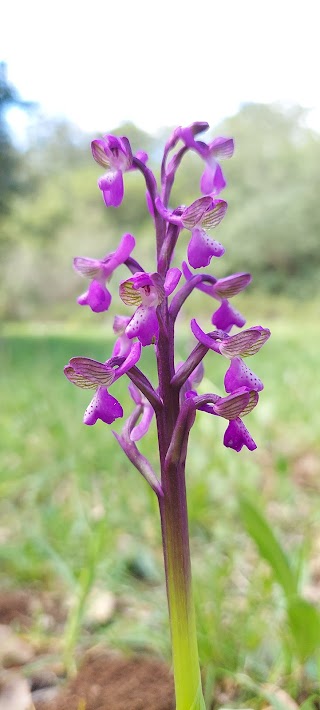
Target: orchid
x: 116, y: 155
x: 212, y: 180
x: 147, y: 292
x: 97, y: 296
x: 174, y: 401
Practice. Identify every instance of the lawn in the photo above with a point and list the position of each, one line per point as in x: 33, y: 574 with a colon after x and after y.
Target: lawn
x: 75, y: 515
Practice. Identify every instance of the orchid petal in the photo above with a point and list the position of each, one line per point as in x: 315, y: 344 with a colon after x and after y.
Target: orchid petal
x: 98, y: 152
x: 221, y: 148
x: 232, y: 285
x: 92, y: 370
x: 131, y: 360
x: 172, y: 279
x: 103, y: 406
x: 212, y: 180
x: 144, y: 325
x: 232, y: 406
x: 193, y: 214
x: 236, y: 436
x: 87, y: 267
x: 202, y: 248
x: 209, y: 341
x: 97, y: 297
x: 112, y: 188
x: 226, y: 316
x: 118, y: 257
x: 246, y: 343
x: 78, y: 380
x: 240, y: 375
x: 214, y: 215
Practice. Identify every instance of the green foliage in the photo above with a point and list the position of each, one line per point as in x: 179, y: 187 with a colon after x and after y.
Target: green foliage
x: 303, y: 617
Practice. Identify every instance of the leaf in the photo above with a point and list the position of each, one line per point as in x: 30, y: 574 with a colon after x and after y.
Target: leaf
x: 310, y: 703
x: 269, y: 548
x: 304, y: 621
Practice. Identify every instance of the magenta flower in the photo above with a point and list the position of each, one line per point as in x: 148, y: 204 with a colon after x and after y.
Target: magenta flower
x: 222, y: 289
x: 205, y: 213
x: 212, y: 180
x: 145, y: 291
x: 91, y: 374
x: 115, y: 154
x: 97, y: 296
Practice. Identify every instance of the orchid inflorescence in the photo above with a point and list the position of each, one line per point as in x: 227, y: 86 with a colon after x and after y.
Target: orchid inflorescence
x: 158, y: 298
x: 149, y: 292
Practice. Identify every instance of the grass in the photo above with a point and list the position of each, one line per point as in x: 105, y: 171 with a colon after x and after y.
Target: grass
x: 71, y: 503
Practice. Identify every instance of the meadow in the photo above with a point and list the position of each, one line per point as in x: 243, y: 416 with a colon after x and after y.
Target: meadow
x: 75, y: 516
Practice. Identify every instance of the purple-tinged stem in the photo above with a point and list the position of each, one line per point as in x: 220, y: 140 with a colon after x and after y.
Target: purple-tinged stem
x: 173, y: 431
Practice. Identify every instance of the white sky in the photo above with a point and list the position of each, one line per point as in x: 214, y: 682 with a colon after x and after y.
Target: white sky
x: 160, y: 63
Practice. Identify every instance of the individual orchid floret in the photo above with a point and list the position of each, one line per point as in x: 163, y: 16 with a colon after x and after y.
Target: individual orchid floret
x: 245, y: 343
x: 204, y: 213
x: 100, y: 270
x: 92, y: 374
x: 147, y: 412
x: 115, y: 154
x: 147, y: 292
x: 123, y: 344
x: 236, y: 405
x: 212, y: 180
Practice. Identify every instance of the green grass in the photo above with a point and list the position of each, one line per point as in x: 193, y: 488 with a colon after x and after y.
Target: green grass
x: 69, y: 496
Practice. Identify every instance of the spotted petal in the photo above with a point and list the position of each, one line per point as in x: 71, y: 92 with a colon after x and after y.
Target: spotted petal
x: 103, y: 406
x: 237, y: 435
x: 240, y: 375
x: 202, y: 248
x: 144, y: 325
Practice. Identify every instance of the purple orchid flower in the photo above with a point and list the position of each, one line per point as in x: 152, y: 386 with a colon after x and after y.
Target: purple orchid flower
x: 205, y: 213
x: 145, y: 291
x: 97, y: 296
x: 225, y: 316
x: 212, y: 181
x: 91, y: 374
x: 115, y: 154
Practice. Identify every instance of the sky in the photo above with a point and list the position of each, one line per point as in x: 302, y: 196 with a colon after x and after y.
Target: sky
x: 157, y: 64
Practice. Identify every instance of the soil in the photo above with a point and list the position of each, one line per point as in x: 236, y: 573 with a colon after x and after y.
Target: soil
x: 110, y: 682
x: 105, y: 680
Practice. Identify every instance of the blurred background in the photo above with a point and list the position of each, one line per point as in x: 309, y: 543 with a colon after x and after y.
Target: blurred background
x: 75, y: 520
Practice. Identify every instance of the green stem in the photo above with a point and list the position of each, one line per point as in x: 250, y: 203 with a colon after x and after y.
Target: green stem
x: 173, y: 510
